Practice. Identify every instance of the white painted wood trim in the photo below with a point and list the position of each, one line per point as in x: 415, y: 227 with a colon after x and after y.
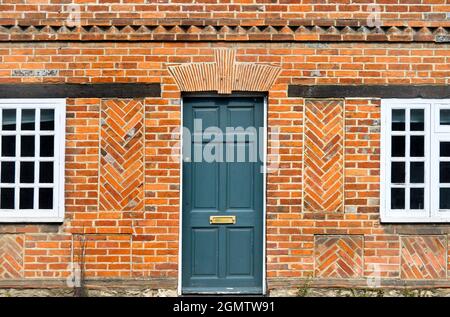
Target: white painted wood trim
x: 433, y: 133
x: 440, y: 104
x: 436, y: 214
x: 36, y: 215
x: 264, y: 277
x: 180, y: 218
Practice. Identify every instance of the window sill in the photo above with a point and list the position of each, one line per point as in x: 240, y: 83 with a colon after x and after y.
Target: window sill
x: 19, y: 220
x: 413, y: 220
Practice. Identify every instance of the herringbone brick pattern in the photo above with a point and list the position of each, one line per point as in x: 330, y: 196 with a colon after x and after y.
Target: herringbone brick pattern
x: 11, y: 256
x: 423, y: 257
x: 324, y: 152
x: 338, y: 256
x: 122, y: 155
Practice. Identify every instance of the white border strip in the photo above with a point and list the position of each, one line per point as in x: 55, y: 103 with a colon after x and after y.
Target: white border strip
x: 264, y: 286
x: 180, y: 217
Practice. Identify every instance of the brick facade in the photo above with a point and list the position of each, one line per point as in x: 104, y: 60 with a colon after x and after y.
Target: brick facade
x: 123, y: 185
x: 243, y: 12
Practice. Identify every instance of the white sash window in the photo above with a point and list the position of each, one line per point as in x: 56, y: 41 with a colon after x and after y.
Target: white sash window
x: 415, y: 160
x: 32, y: 139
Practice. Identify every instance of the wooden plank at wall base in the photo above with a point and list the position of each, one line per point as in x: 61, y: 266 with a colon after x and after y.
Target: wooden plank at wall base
x: 123, y: 283
x: 380, y: 91
x: 115, y: 90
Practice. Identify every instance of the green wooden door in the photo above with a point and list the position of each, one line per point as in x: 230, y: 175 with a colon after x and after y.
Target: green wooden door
x: 222, y: 257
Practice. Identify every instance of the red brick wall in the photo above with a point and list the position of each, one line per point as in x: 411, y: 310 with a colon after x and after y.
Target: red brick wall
x: 139, y: 238
x: 248, y: 12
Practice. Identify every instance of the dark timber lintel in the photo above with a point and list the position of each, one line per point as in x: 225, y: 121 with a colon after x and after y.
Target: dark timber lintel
x: 115, y: 90
x: 376, y: 91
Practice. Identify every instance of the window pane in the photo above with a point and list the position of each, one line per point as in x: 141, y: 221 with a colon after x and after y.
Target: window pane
x: 416, y: 199
x: 398, y: 146
x: 9, y: 119
x: 398, y: 172
x: 28, y: 119
x: 9, y: 145
x: 444, y: 117
x: 417, y: 120
x: 26, y: 198
x: 417, y: 146
x: 8, y: 172
x: 27, y: 146
x: 444, y: 198
x: 45, y: 198
x: 48, y: 119
x: 417, y: 172
x: 7, y: 198
x: 397, y: 198
x: 444, y: 172
x: 26, y: 172
x: 46, y: 145
x: 398, y: 120
x: 46, y: 172
x: 445, y: 149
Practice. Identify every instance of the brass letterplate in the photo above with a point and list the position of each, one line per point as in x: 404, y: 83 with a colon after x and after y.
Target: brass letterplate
x: 222, y: 220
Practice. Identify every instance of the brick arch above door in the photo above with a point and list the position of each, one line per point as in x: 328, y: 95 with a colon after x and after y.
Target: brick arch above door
x: 224, y: 75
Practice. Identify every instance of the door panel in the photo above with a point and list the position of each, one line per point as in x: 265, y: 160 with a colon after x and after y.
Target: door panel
x: 240, y: 260
x: 223, y: 257
x: 209, y: 116
x: 240, y: 186
x: 206, y: 193
x: 205, y: 247
x: 241, y: 117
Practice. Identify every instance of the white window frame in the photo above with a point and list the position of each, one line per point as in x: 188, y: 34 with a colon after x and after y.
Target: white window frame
x: 441, y: 133
x: 38, y: 215
x: 433, y: 134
